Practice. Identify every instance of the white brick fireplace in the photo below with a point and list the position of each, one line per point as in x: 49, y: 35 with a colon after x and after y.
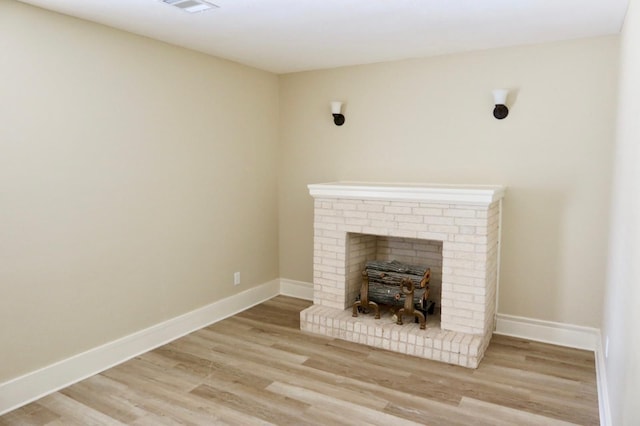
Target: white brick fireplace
x: 454, y: 229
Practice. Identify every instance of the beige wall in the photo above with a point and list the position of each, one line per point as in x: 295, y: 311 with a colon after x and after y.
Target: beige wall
x: 622, y: 307
x: 135, y: 178
x: 429, y: 120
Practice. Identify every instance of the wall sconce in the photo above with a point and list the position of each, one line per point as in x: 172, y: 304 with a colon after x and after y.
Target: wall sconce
x: 338, y: 118
x: 500, y: 100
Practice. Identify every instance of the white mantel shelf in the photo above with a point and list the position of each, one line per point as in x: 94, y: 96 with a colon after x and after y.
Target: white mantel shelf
x: 428, y: 193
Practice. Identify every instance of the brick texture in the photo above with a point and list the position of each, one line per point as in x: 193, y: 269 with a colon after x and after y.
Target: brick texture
x: 459, y: 242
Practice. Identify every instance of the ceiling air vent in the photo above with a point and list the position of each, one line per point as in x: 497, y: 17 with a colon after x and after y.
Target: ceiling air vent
x: 191, y: 6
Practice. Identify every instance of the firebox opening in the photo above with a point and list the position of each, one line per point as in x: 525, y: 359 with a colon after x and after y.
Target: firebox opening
x: 363, y: 247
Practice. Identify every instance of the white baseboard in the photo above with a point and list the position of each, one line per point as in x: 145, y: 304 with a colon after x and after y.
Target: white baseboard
x: 573, y: 336
x: 299, y: 289
x: 603, y: 391
x: 34, y: 385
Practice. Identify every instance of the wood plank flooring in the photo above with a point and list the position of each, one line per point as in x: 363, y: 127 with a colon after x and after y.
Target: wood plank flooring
x: 257, y: 368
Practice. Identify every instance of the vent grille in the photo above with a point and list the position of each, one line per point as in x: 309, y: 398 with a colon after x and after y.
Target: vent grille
x: 191, y: 6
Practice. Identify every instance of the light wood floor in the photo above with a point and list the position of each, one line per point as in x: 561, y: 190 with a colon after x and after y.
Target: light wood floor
x: 258, y: 368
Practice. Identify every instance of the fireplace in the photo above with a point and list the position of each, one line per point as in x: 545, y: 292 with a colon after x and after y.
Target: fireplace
x: 453, y: 229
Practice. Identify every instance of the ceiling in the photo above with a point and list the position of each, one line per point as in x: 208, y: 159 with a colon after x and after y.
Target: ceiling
x: 294, y: 35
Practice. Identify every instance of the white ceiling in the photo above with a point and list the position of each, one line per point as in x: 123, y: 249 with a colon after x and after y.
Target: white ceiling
x: 294, y: 35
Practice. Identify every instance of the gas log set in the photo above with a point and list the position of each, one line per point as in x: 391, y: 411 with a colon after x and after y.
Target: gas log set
x: 403, y: 288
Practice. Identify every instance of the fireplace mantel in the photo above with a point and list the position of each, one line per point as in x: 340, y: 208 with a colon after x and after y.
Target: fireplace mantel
x: 428, y: 193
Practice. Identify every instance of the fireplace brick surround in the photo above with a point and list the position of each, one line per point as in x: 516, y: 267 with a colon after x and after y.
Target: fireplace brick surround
x: 356, y: 222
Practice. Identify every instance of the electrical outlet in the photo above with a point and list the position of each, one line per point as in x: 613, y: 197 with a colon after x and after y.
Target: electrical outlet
x: 606, y: 347
x: 236, y: 278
